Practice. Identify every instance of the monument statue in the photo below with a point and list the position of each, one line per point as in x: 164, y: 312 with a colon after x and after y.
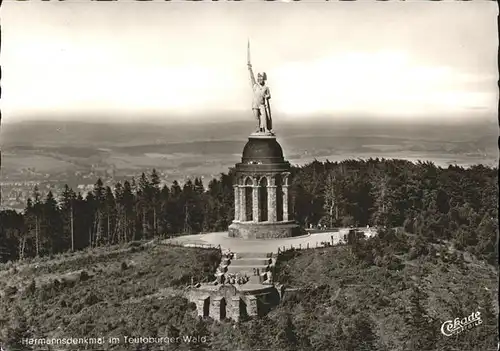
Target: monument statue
x: 261, y: 96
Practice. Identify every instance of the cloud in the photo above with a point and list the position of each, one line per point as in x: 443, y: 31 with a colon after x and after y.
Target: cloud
x: 389, y: 81
x: 335, y: 59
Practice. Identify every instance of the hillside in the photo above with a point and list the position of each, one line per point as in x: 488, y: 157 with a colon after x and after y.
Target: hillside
x: 395, y: 290
x: 101, y: 293
x: 364, y: 296
x: 391, y: 292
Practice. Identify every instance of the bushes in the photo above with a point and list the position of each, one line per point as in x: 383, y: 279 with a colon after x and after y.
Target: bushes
x: 10, y: 291
x: 110, y: 292
x: 352, y: 296
x: 31, y: 288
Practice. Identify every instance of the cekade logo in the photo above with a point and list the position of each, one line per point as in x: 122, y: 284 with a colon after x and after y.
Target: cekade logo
x: 457, y: 325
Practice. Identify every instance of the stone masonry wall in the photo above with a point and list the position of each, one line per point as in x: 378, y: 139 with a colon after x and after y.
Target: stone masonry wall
x: 263, y: 231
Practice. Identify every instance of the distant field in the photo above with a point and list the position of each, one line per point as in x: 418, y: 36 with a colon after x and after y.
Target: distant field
x: 197, y: 164
x: 210, y: 149
x: 12, y: 163
x: 440, y: 159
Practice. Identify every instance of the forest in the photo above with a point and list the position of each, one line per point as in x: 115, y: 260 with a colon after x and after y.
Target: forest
x: 455, y: 204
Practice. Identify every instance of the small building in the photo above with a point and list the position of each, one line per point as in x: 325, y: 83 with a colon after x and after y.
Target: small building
x: 233, y: 301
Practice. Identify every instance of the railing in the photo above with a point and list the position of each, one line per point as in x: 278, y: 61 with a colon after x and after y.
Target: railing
x: 193, y: 245
x: 318, y: 244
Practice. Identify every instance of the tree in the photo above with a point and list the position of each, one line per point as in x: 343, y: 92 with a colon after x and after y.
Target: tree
x: 90, y: 210
x: 124, y: 201
x: 383, y: 206
x: 119, y: 232
x: 175, y: 208
x: 12, y: 236
x: 307, y: 192
x: 155, y: 199
x: 164, y: 221
x: 99, y: 203
x: 18, y: 331
x: 334, y: 197
x: 36, y: 210
x: 68, y: 198
x: 361, y: 334
x: 144, y: 199
x: 52, y: 226
x: 487, y: 232
x: 192, y: 202
x: 128, y: 206
x: 81, y: 222
x: 419, y: 319
x: 286, y: 335
x: 30, y: 229
x: 110, y: 213
x: 187, y: 201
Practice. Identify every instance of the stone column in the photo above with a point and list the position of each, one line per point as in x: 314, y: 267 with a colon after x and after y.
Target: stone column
x: 215, y: 307
x: 255, y: 203
x: 200, y: 306
x: 271, y: 201
x: 285, y: 202
x: 234, y: 313
x: 237, y: 210
x: 243, y: 204
x: 252, y: 309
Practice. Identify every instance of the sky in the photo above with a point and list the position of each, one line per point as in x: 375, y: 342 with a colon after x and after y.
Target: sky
x: 150, y: 60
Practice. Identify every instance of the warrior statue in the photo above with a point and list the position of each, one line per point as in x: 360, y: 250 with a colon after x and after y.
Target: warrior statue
x: 261, y: 97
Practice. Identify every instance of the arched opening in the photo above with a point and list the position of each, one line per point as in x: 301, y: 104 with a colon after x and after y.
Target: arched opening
x: 249, y: 199
x: 279, y: 198
x: 263, y: 199
x: 206, y: 307
x: 243, y: 309
x: 222, y: 309
x: 262, y: 306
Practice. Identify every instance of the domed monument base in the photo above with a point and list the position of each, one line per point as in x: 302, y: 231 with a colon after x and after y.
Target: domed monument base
x: 261, y: 192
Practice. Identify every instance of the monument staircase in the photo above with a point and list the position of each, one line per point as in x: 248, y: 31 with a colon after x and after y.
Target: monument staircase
x: 238, y: 290
x: 257, y: 267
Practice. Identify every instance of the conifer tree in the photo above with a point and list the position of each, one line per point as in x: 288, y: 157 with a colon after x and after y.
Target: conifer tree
x: 144, y: 199
x: 99, y: 204
x: 52, y: 226
x: 164, y: 217
x: 68, y: 198
x: 110, y: 213
x: 155, y: 199
x: 128, y: 201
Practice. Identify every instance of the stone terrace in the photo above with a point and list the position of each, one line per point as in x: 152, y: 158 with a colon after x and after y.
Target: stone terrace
x: 238, y: 245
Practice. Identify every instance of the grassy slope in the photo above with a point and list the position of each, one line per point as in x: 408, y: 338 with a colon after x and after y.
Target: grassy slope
x: 122, y: 294
x: 132, y: 291
x: 348, y: 288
